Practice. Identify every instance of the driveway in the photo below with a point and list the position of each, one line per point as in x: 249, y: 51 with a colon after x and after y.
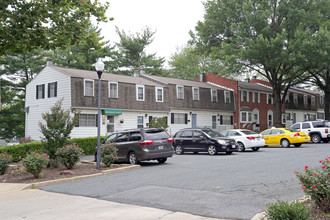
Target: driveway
x: 233, y: 186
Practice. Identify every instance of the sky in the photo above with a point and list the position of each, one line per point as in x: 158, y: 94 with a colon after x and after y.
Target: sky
x: 171, y: 19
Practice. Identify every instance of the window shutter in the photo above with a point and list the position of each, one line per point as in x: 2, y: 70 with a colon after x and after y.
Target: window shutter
x: 43, y: 91
x: 48, y: 90
x: 221, y: 120
x: 97, y: 117
x: 172, y: 118
x: 231, y: 120
x: 166, y: 119
x: 186, y: 118
x: 37, y: 92
x: 55, y: 92
x: 150, y: 119
x: 77, y: 123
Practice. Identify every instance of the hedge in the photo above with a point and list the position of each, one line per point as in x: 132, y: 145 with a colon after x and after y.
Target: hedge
x: 19, y: 151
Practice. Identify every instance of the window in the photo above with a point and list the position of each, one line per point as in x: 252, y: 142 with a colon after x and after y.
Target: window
x: 269, y: 99
x: 312, y: 117
x: 256, y: 97
x: 320, y: 115
x: 111, y: 138
x: 197, y: 134
x: 305, y: 125
x: 140, y: 122
x: 287, y: 98
x: 270, y: 118
x: 111, y: 123
x: 283, y: 118
x: 313, y: 101
x: 321, y: 100
x: 40, y: 91
x: 306, y: 118
x: 52, y: 89
x: 87, y: 120
x: 195, y: 92
x: 245, y: 96
x: 296, y: 126
x: 186, y: 134
x: 113, y: 90
x: 295, y: 98
x: 227, y: 97
x: 159, y: 94
x: 135, y: 136
x: 226, y: 119
x: 246, y: 117
x: 179, y: 92
x: 214, y: 121
x: 88, y: 87
x: 305, y: 100
x: 179, y: 118
x: 214, y: 95
x: 122, y: 137
x: 140, y: 92
x: 233, y: 133
x: 266, y: 132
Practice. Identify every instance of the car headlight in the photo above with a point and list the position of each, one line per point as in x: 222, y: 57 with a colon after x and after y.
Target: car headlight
x: 222, y: 142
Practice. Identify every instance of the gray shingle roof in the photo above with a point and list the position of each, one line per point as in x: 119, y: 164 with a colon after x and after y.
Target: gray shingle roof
x: 254, y: 86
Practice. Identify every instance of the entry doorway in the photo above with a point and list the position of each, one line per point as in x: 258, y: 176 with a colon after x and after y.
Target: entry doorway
x: 194, y: 120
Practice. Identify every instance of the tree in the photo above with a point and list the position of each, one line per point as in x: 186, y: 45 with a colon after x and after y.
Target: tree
x: 159, y: 123
x: 262, y: 36
x: 57, y: 129
x: 26, y: 25
x: 131, y: 55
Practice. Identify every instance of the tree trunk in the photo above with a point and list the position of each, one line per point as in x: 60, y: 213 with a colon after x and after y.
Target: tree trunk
x: 327, y: 104
x: 277, y: 113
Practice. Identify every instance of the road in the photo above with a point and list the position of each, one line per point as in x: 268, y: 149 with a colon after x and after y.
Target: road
x: 233, y: 186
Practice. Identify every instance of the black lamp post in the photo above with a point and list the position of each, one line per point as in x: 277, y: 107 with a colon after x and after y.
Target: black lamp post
x: 99, y: 66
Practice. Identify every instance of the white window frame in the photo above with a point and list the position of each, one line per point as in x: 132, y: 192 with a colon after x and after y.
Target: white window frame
x: 216, y: 95
x: 137, y: 92
x: 247, y: 96
x: 305, y: 100
x: 254, y: 97
x: 137, y: 121
x: 313, y: 101
x: 227, y: 95
x: 177, y: 91
x: 156, y: 94
x: 271, y: 98
x: 256, y: 112
x: 249, y: 117
x: 321, y: 99
x: 85, y: 81
x: 270, y: 123
x: 193, y: 93
x: 115, y: 96
x: 51, y: 90
x: 283, y: 118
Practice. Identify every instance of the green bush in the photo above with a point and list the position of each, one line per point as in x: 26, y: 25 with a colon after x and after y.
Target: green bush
x: 5, y: 159
x: 287, y: 211
x: 35, y: 162
x: 69, y: 155
x: 108, y: 154
x: 87, y: 144
x: 20, y: 151
x: 316, y: 184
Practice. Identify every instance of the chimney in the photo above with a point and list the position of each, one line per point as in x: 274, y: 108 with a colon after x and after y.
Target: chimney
x: 49, y: 62
x: 142, y: 71
x: 136, y: 73
x: 202, y: 77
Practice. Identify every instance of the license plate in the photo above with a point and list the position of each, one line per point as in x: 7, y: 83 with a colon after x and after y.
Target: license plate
x: 160, y: 147
x: 306, y: 139
x: 233, y: 146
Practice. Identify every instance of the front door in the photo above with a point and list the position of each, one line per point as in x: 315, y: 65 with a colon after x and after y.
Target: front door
x: 110, y: 123
x: 193, y: 120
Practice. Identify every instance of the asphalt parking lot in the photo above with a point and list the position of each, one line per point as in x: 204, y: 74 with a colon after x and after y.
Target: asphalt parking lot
x: 233, y: 186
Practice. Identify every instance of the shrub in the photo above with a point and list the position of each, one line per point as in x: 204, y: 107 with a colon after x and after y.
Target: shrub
x: 19, y: 151
x: 108, y: 154
x: 5, y: 159
x: 69, y: 155
x: 88, y: 144
x: 26, y: 140
x: 316, y: 184
x: 287, y: 211
x: 35, y: 162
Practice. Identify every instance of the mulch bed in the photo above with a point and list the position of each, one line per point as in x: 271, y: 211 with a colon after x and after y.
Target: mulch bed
x: 17, y: 174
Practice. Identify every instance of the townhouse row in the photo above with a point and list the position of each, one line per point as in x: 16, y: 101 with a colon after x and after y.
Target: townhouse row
x: 133, y: 101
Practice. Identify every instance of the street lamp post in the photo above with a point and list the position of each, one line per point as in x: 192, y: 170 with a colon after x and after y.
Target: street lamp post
x: 99, y: 66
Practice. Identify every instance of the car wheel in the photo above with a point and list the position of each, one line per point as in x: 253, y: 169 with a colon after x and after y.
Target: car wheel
x: 132, y: 158
x: 285, y: 143
x: 315, y: 138
x: 178, y: 150
x: 229, y: 152
x: 240, y: 147
x: 297, y: 145
x: 211, y: 150
x: 162, y: 160
x: 255, y: 148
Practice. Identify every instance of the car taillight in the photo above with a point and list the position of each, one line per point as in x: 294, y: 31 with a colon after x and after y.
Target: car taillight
x: 296, y: 134
x: 251, y: 138
x: 146, y: 142
x: 170, y: 140
x: 326, y: 131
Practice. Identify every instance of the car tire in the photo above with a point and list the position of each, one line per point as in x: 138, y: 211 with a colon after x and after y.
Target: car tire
x: 297, y: 145
x: 229, y: 152
x: 240, y: 147
x: 315, y: 138
x: 132, y: 158
x: 285, y: 143
x: 179, y: 149
x: 162, y: 160
x: 255, y: 148
x: 212, y: 150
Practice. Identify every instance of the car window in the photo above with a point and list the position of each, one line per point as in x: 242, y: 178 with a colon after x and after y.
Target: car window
x: 186, y: 134
x: 122, y: 137
x: 135, y: 136
x: 233, y: 133
x: 156, y: 135
x: 224, y: 133
x: 248, y: 132
x: 292, y: 130
x: 197, y: 134
x: 305, y: 125
x: 178, y: 134
x: 277, y: 131
x: 267, y: 132
x: 319, y: 124
x: 111, y: 138
x: 211, y: 133
x: 296, y: 126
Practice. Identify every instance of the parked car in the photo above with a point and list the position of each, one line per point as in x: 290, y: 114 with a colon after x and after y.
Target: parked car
x: 137, y: 145
x: 285, y: 137
x: 202, y: 140
x: 317, y: 130
x: 245, y: 139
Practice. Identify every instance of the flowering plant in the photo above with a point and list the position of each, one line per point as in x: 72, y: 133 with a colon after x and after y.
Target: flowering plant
x: 69, y: 155
x: 5, y: 159
x: 109, y: 154
x: 316, y: 184
x: 35, y: 162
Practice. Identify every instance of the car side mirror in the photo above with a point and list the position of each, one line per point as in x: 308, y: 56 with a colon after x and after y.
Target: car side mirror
x: 201, y: 137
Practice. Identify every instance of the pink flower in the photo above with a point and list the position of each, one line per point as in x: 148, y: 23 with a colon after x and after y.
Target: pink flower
x: 314, y: 187
x: 306, y: 167
x: 315, y: 174
x: 302, y: 188
x: 297, y: 172
x: 320, y: 161
x: 323, y: 167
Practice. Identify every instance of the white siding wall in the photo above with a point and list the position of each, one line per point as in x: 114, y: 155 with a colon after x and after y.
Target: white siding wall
x: 38, y: 106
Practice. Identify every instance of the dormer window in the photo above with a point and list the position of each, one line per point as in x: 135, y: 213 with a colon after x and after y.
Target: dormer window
x: 88, y: 87
x: 140, y: 92
x: 179, y: 92
x: 195, y: 92
x: 214, y: 95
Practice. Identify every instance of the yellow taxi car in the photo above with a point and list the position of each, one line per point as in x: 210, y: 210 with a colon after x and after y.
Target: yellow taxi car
x: 285, y: 137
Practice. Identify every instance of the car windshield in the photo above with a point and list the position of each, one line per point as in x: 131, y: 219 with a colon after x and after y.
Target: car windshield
x: 247, y: 132
x: 156, y: 135
x: 211, y: 133
x: 292, y: 130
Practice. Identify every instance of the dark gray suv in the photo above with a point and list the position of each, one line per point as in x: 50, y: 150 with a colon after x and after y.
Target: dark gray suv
x: 137, y: 145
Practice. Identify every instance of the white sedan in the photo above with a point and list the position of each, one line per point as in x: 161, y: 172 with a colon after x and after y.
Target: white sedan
x: 245, y: 139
